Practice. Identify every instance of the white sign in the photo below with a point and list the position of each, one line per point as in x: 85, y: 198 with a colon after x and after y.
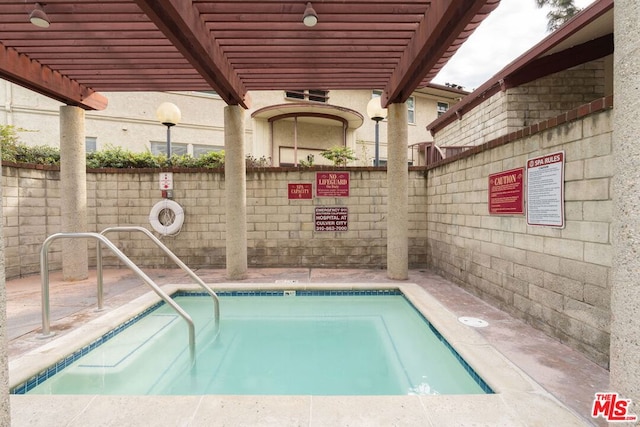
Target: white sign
x: 545, y: 190
x: 166, y: 180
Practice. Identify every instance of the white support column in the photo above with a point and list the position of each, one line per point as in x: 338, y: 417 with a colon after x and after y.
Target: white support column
x: 398, y: 193
x: 235, y: 191
x: 625, y: 283
x: 73, y: 192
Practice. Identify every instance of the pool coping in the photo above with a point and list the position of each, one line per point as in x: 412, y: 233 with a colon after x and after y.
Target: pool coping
x: 518, y: 399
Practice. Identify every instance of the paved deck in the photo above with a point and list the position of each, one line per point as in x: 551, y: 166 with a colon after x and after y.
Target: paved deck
x: 564, y: 373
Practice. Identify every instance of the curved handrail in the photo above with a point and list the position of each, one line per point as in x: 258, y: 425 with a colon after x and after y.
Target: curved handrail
x: 167, y: 251
x: 44, y: 273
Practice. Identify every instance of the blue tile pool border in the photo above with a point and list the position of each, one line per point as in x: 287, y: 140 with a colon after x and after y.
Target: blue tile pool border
x: 60, y: 365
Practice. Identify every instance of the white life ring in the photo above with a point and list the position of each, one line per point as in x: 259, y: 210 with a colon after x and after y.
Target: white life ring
x: 159, y: 209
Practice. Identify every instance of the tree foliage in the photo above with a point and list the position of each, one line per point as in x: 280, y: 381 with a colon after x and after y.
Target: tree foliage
x: 340, y: 156
x: 561, y: 11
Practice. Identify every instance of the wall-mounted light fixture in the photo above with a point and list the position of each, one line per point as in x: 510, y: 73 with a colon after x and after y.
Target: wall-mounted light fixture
x: 310, y: 17
x: 38, y: 17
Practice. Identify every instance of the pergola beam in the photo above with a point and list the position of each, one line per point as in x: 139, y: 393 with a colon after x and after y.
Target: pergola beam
x: 442, y: 25
x: 180, y: 22
x: 19, y: 69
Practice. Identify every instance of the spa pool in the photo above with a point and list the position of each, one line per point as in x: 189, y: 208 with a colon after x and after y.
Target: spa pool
x: 270, y: 342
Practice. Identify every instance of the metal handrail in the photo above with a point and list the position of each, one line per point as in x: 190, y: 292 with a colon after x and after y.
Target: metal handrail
x: 44, y: 273
x: 167, y: 251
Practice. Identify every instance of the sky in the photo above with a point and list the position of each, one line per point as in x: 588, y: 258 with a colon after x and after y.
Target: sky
x: 508, y: 32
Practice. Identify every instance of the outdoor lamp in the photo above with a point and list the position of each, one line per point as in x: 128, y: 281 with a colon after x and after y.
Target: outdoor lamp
x: 310, y: 17
x: 377, y: 114
x: 169, y: 115
x: 38, y: 17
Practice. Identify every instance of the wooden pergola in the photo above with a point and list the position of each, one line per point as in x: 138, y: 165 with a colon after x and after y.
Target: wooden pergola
x: 231, y: 47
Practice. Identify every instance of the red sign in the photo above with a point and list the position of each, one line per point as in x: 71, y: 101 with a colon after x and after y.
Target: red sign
x: 332, y: 184
x: 330, y: 218
x: 506, y: 192
x: 300, y: 191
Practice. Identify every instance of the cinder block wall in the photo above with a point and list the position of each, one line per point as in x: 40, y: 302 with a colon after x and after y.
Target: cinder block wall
x: 518, y: 107
x: 555, y: 279
x: 280, y: 231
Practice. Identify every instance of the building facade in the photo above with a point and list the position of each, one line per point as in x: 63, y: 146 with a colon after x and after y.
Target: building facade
x: 284, y: 128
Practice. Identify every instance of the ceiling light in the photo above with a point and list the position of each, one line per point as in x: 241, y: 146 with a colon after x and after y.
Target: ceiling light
x: 310, y: 17
x: 38, y: 17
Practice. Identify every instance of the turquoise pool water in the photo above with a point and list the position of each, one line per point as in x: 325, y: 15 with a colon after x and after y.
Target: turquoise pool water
x: 336, y: 344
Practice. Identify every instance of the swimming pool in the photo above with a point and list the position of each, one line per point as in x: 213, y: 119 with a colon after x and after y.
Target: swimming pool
x: 329, y: 342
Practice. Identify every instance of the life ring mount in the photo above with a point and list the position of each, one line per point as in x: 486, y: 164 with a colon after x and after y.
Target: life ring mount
x: 166, y: 217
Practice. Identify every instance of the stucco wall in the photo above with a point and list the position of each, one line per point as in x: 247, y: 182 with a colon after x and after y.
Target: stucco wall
x: 556, y: 279
x: 280, y: 231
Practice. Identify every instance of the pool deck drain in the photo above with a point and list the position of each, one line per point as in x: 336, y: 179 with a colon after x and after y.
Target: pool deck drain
x: 473, y: 322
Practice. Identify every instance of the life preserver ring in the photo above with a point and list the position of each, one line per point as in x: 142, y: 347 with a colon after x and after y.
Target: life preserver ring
x: 159, y: 209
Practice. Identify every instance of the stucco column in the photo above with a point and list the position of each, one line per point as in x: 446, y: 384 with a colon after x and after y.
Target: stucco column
x: 398, y: 193
x: 625, y: 284
x: 5, y: 415
x: 73, y: 192
x: 235, y: 191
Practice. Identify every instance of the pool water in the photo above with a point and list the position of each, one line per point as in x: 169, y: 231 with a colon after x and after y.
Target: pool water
x: 281, y: 345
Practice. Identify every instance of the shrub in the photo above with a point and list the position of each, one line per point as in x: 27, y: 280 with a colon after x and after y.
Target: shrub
x: 118, y: 157
x: 339, y: 155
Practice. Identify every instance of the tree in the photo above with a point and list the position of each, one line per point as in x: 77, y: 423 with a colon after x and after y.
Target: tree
x: 561, y: 12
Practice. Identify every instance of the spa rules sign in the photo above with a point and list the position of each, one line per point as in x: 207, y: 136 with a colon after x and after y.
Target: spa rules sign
x: 545, y: 190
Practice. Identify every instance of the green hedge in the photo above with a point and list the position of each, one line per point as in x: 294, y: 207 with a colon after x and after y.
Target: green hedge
x: 111, y: 157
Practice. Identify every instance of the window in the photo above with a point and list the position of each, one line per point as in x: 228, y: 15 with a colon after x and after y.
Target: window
x: 90, y: 144
x: 442, y: 108
x: 411, y: 106
x: 161, y: 148
x: 199, y: 150
x: 411, y: 110
x: 315, y: 95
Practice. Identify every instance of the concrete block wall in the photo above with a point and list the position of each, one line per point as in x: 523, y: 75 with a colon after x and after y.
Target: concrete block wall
x: 280, y: 231
x: 527, y: 104
x: 31, y: 211
x: 558, y: 280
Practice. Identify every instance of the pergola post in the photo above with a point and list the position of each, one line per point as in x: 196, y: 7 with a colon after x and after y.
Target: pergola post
x: 235, y: 192
x: 73, y: 192
x: 398, y: 192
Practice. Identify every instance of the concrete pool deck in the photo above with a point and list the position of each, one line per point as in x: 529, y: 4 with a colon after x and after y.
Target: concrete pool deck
x: 561, y: 393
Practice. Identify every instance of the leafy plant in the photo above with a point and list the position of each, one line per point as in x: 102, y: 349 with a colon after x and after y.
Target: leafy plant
x: 209, y: 160
x: 9, y: 141
x: 262, y: 162
x: 339, y: 155
x: 118, y: 157
x: 307, y: 163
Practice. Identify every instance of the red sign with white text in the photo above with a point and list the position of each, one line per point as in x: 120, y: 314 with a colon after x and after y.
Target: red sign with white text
x: 300, y: 191
x: 332, y: 184
x: 506, y: 192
